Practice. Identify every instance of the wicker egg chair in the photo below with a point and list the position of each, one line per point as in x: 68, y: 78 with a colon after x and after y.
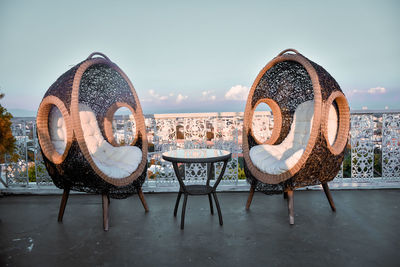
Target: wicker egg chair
x: 74, y: 127
x: 311, y: 125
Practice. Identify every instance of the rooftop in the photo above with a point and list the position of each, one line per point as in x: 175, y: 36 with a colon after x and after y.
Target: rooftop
x: 363, y: 232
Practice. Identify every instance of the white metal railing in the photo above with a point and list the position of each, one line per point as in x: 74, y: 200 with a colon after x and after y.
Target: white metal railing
x: 373, y: 152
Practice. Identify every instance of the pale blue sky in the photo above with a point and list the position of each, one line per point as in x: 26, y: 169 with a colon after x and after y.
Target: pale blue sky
x: 184, y: 56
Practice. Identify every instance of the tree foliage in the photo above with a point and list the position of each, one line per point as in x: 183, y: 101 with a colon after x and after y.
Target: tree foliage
x: 7, y: 140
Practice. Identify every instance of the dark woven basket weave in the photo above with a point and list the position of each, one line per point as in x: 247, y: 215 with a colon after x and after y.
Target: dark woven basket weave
x: 284, y: 83
x: 101, y: 85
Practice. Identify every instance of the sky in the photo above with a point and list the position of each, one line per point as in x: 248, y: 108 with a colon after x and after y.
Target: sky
x: 199, y: 56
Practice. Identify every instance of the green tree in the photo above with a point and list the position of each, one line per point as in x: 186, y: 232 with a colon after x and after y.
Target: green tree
x: 32, y: 172
x: 7, y: 140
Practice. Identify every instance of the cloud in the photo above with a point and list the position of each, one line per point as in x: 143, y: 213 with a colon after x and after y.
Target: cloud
x: 371, y: 91
x: 353, y: 92
x: 207, y: 96
x: 155, y: 97
x: 377, y: 90
x: 181, y: 97
x: 237, y: 92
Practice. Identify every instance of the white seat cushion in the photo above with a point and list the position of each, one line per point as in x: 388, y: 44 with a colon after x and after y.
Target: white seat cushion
x: 115, y: 162
x: 57, y: 130
x: 277, y: 159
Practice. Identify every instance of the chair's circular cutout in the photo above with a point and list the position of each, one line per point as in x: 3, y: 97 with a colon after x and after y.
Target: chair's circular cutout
x: 54, y: 129
x: 124, y: 126
x: 262, y: 122
x: 266, y: 121
x: 120, y: 125
x: 336, y: 123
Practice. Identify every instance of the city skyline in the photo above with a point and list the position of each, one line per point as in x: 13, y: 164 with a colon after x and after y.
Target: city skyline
x: 199, y: 57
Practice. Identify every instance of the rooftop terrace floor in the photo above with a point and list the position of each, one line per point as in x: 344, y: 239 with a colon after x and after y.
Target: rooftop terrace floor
x: 363, y: 232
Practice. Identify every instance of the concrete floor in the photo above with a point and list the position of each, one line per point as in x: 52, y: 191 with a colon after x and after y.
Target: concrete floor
x: 363, y: 232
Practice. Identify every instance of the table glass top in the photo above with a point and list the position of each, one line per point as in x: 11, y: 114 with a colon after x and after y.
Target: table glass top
x: 196, y: 153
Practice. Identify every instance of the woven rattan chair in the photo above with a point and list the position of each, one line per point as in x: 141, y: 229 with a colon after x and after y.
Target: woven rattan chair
x: 74, y: 126
x: 311, y: 124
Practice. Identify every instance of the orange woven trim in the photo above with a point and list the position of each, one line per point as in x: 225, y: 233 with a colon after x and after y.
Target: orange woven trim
x: 277, y: 115
x: 109, y: 119
x: 316, y: 126
x: 76, y: 121
x: 344, y: 122
x: 42, y: 124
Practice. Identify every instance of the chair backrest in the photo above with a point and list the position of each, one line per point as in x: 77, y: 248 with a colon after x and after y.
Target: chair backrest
x: 74, y: 126
x: 290, y: 83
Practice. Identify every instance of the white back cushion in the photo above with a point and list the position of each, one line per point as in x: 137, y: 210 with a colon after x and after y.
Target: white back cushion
x: 57, y: 130
x: 277, y: 159
x: 115, y: 162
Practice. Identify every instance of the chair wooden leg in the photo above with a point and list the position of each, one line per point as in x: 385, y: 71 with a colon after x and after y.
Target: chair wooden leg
x: 183, y: 211
x: 250, y: 198
x: 141, y: 196
x: 284, y: 195
x: 105, y: 211
x: 290, y: 195
x: 178, y: 198
x: 218, y: 208
x: 211, y: 204
x: 63, y: 204
x: 329, y: 196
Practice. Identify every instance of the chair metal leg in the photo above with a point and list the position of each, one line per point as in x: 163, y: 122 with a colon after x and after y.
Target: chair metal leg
x: 183, y: 211
x: 290, y: 195
x: 141, y: 196
x: 329, y: 196
x: 250, y: 198
x: 105, y: 211
x: 211, y: 204
x: 178, y: 198
x: 63, y: 204
x: 218, y: 208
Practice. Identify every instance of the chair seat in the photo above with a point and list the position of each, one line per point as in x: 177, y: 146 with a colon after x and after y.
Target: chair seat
x: 117, y: 162
x: 271, y: 160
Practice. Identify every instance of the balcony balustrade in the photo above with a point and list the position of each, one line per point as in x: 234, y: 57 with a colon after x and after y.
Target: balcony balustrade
x: 372, y: 154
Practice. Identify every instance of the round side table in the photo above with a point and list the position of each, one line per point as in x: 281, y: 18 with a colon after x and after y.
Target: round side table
x: 208, y: 156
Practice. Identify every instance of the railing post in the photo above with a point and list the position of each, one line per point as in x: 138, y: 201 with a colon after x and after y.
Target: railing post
x: 362, y: 150
x: 391, y: 145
